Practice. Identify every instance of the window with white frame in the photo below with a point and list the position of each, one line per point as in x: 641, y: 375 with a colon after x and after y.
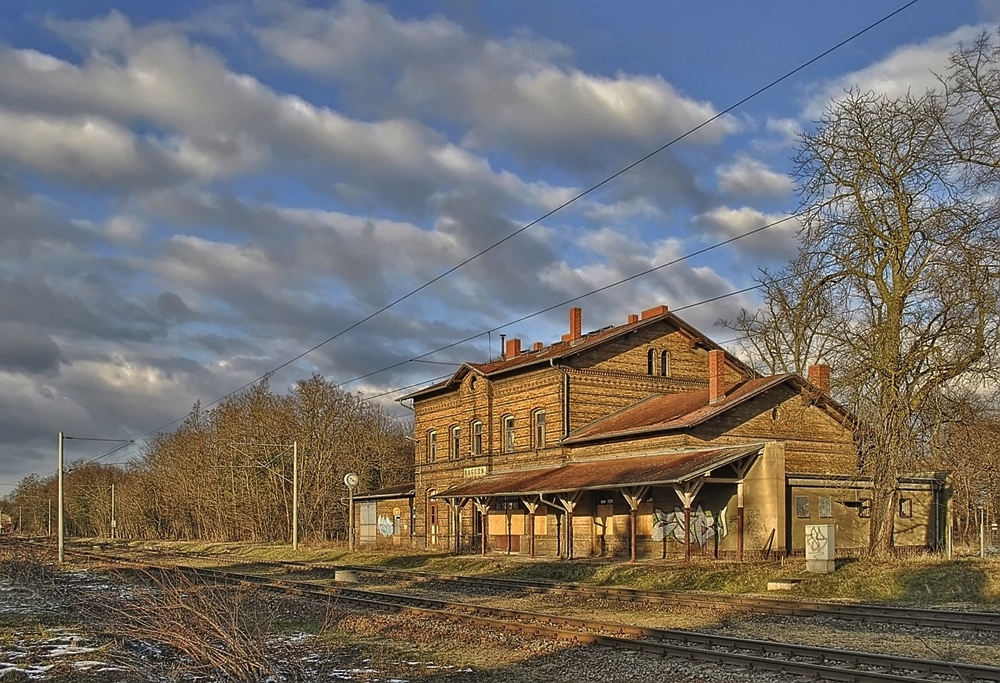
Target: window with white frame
x: 650, y: 358
x: 508, y: 434
x: 432, y: 446
x: 539, y: 429
x: 456, y: 442
x: 664, y: 364
x: 477, y: 438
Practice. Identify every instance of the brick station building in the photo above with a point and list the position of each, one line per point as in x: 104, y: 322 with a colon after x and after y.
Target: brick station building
x: 640, y: 440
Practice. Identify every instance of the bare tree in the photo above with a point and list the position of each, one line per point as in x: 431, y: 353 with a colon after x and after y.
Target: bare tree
x: 908, y: 245
x: 794, y: 327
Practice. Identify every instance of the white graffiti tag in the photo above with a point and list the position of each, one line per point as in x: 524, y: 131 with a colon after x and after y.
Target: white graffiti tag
x: 704, y: 525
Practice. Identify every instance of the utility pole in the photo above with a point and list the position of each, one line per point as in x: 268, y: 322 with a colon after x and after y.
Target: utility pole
x: 295, y: 495
x: 49, y: 531
x: 60, y: 475
x: 114, y: 522
x: 295, y: 477
x: 61, y: 528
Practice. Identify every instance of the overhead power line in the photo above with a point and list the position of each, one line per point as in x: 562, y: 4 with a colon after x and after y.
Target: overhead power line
x: 604, y: 288
x: 552, y: 212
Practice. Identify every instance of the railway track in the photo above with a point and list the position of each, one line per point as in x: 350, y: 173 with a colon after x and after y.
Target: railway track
x: 815, y: 662
x: 858, y: 612
x: 922, y: 617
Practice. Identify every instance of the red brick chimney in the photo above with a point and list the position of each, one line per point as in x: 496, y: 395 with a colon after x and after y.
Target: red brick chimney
x: 819, y: 376
x: 575, y: 325
x: 655, y: 310
x: 632, y: 318
x: 716, y: 376
x: 537, y: 346
x: 513, y: 347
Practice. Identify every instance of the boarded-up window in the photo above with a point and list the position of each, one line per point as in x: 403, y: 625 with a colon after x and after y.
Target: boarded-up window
x: 802, y: 507
x: 644, y: 520
x: 369, y: 521
x: 825, y: 507
x: 498, y: 524
x: 541, y: 525
x: 906, y: 507
x: 865, y: 510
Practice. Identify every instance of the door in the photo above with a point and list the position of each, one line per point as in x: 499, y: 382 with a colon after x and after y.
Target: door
x: 434, y: 525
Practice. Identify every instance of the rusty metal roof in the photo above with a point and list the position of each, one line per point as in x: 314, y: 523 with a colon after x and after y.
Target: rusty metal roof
x: 672, y: 411
x: 664, y: 468
x: 399, y: 491
x: 567, y: 348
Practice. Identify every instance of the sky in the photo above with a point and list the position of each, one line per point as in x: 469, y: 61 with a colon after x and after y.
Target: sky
x: 192, y: 194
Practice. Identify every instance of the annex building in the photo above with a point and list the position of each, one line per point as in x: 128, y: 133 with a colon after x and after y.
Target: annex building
x: 640, y: 440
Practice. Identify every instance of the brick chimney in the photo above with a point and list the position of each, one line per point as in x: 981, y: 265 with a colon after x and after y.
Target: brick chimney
x: 575, y: 325
x: 537, y: 346
x: 655, y: 310
x: 716, y: 376
x: 632, y: 318
x: 819, y: 376
x: 513, y: 347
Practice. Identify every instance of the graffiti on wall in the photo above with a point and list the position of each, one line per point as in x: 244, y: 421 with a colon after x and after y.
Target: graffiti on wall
x: 705, y: 524
x: 385, y: 525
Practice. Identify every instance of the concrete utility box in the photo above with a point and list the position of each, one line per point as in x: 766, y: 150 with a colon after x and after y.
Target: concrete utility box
x: 820, y: 548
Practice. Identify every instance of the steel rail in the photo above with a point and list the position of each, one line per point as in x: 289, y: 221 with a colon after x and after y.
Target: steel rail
x: 909, y: 616
x: 821, y: 663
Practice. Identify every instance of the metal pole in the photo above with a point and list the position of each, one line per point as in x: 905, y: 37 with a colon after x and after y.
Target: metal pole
x: 59, y: 522
x: 49, y: 533
x: 113, y: 522
x: 350, y: 519
x: 295, y: 495
x: 982, y: 532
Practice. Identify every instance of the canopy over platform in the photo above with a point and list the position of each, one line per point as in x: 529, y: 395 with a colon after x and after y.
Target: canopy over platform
x: 674, y: 467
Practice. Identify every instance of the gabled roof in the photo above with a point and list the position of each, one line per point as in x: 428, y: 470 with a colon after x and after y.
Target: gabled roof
x: 688, y: 409
x: 565, y: 349
x: 672, y: 467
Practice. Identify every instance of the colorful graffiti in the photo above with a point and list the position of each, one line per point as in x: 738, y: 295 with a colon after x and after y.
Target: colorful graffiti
x: 705, y: 525
x: 385, y: 525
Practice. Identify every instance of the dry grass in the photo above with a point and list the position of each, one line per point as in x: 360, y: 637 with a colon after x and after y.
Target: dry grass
x: 929, y: 579
x: 196, y: 628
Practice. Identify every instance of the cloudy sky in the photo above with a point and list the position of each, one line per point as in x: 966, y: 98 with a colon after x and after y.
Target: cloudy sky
x: 192, y: 194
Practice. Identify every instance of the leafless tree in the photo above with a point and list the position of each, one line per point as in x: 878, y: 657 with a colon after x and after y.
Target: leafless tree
x: 794, y: 327
x: 909, y: 248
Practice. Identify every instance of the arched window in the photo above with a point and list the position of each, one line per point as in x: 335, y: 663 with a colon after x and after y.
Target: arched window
x: 432, y: 446
x: 477, y: 437
x: 456, y: 442
x: 650, y: 356
x: 665, y: 364
x: 538, y: 429
x: 508, y: 434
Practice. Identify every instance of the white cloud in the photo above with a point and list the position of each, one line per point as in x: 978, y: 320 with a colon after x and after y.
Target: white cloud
x: 519, y: 92
x: 909, y: 68
x: 749, y: 177
x: 778, y: 243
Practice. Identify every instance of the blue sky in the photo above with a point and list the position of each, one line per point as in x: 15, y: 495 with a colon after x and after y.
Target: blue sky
x: 194, y: 193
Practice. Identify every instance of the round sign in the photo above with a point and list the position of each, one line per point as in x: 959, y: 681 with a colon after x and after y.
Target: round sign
x: 351, y: 480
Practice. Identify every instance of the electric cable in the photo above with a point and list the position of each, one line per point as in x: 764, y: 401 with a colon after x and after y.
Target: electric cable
x: 560, y: 207
x: 546, y: 215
